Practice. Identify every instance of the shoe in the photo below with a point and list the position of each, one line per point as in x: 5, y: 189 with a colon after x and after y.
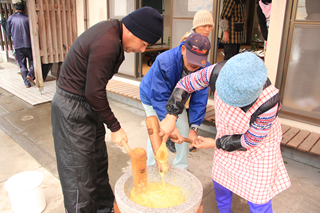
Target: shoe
x: 28, y: 85
x: 105, y: 210
x: 31, y: 81
x: 171, y: 146
x: 193, y: 149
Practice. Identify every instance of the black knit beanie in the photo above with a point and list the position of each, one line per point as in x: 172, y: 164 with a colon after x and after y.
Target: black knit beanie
x: 146, y: 23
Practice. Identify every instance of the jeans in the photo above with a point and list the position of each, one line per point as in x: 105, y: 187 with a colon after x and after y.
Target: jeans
x: 181, y: 159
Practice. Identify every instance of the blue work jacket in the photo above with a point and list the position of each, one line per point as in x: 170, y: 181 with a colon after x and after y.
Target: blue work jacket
x: 18, y: 29
x: 157, y: 85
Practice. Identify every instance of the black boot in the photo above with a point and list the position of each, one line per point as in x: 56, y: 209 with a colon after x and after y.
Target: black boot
x: 171, y: 146
x: 193, y: 149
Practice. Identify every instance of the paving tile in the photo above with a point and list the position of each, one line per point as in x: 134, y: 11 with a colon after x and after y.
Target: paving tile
x: 13, y: 83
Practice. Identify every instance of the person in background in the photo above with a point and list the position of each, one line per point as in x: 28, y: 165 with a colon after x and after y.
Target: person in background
x: 80, y: 106
x: 203, y: 24
x: 263, y: 12
x: 247, y: 157
x: 232, y: 20
x: 18, y: 29
x: 157, y: 85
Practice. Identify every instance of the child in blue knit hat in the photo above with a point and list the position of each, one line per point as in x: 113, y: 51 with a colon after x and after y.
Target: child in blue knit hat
x: 247, y: 159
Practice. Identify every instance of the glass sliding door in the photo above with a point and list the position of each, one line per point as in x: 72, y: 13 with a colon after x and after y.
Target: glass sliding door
x: 117, y: 10
x: 301, y: 82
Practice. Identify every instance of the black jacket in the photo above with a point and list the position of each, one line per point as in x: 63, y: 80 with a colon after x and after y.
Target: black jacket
x: 92, y: 60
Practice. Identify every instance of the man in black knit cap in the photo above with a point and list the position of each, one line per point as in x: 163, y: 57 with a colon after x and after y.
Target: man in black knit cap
x: 80, y: 106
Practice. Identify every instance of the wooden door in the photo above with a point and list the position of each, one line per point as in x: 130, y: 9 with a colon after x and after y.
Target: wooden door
x: 53, y: 28
x: 6, y: 11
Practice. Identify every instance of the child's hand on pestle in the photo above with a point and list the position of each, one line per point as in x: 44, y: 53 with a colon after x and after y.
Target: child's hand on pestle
x: 119, y: 137
x: 167, y: 126
x: 193, y: 136
x: 204, y: 143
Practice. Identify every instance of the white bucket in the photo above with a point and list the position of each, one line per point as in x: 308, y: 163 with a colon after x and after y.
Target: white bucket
x: 25, y: 193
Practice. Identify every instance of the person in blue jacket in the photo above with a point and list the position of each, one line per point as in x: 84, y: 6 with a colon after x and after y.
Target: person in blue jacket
x: 18, y: 29
x: 157, y: 85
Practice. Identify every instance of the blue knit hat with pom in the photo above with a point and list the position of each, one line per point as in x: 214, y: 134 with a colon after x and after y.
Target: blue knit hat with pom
x: 241, y: 79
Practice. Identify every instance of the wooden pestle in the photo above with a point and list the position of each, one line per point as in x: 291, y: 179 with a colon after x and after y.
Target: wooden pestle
x: 127, y: 147
x: 153, y: 127
x: 174, y: 137
x: 139, y: 167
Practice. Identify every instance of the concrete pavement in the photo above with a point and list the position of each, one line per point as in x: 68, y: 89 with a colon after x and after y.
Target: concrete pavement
x: 14, y: 159
x: 27, y: 144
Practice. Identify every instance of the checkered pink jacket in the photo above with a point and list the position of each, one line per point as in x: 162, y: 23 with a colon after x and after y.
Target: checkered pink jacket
x: 257, y: 174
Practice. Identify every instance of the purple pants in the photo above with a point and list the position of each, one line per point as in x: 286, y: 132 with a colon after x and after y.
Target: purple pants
x: 224, y: 201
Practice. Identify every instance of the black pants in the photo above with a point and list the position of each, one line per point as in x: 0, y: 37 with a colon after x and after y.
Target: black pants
x: 81, y: 152
x: 230, y: 50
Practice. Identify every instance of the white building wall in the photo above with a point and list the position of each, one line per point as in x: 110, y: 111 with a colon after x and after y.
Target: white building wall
x: 96, y: 9
x: 80, y: 16
x: 274, y: 42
